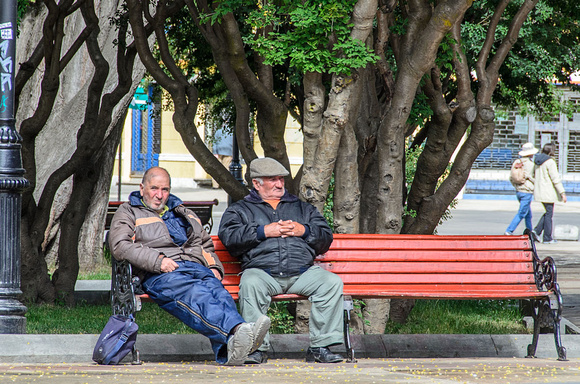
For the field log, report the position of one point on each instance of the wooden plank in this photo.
(362, 287)
(400, 255)
(425, 255)
(427, 267)
(460, 278)
(454, 292)
(435, 281)
(434, 244)
(422, 242)
(231, 280)
(458, 295)
(225, 257)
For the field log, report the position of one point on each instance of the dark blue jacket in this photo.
(242, 232)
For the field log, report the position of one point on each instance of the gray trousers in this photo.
(323, 288)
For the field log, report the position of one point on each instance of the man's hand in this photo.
(284, 229)
(168, 265)
(217, 274)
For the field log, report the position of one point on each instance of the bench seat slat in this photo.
(463, 295)
(420, 293)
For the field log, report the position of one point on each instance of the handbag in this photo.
(116, 340)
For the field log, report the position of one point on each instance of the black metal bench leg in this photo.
(536, 314)
(348, 307)
(557, 338)
(556, 308)
(136, 357)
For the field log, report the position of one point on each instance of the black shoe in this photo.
(257, 357)
(322, 355)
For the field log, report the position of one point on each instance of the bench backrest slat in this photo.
(335, 255)
(414, 267)
(444, 267)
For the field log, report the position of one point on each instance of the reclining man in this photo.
(276, 236)
(174, 258)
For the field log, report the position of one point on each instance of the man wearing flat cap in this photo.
(276, 236)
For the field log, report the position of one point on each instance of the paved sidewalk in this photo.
(410, 371)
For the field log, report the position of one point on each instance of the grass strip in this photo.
(428, 316)
(491, 317)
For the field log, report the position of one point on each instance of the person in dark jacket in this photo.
(276, 236)
(175, 259)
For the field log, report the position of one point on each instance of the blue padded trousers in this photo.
(194, 295)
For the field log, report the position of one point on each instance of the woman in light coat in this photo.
(548, 189)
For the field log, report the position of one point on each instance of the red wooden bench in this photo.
(418, 267)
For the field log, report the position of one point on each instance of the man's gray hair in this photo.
(259, 180)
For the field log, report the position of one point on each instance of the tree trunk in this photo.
(312, 121)
(346, 173)
(71, 43)
(346, 190)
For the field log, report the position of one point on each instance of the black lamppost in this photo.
(12, 181)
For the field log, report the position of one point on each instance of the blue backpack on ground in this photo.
(116, 340)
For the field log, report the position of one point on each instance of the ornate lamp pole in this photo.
(12, 181)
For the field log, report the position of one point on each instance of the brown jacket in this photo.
(141, 237)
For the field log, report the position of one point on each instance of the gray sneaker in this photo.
(259, 330)
(240, 344)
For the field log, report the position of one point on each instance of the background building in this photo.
(490, 171)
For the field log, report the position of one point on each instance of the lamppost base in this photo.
(12, 319)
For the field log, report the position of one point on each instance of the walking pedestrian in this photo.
(548, 189)
(525, 189)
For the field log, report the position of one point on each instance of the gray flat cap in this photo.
(267, 167)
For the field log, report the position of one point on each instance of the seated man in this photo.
(174, 258)
(277, 236)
